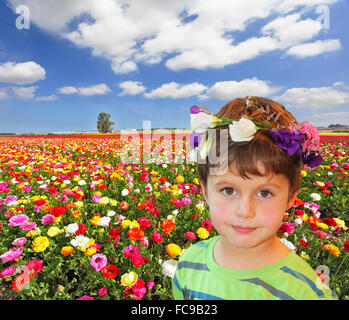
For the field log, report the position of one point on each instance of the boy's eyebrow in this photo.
(223, 182)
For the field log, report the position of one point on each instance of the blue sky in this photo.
(153, 60)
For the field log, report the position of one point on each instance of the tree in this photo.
(104, 125)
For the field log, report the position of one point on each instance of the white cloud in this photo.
(21, 73)
(131, 88)
(175, 90)
(68, 90)
(314, 98)
(325, 119)
(97, 89)
(130, 32)
(51, 97)
(291, 29)
(314, 48)
(228, 90)
(94, 90)
(24, 93)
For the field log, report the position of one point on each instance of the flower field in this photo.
(78, 221)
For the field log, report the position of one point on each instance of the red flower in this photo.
(303, 243)
(40, 202)
(137, 260)
(81, 230)
(110, 271)
(124, 205)
(330, 222)
(144, 223)
(58, 211)
(114, 232)
(156, 236)
(206, 224)
(346, 246)
(20, 281)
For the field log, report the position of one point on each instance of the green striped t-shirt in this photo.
(199, 277)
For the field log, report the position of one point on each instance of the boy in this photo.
(247, 198)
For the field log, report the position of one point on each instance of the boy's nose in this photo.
(246, 208)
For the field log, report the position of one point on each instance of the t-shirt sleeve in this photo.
(176, 289)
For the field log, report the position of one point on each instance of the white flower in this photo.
(81, 182)
(242, 130)
(80, 241)
(71, 228)
(201, 121)
(169, 268)
(111, 213)
(104, 221)
(66, 181)
(288, 244)
(124, 192)
(205, 145)
(175, 212)
(315, 197)
(330, 173)
(298, 221)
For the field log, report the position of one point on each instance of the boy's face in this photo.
(247, 212)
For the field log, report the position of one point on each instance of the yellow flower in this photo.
(196, 181)
(53, 231)
(322, 225)
(33, 232)
(174, 250)
(95, 220)
(303, 173)
(340, 223)
(134, 224)
(113, 202)
(333, 249)
(129, 279)
(202, 233)
(90, 251)
(125, 223)
(79, 204)
(304, 256)
(180, 179)
(57, 219)
(40, 244)
(103, 201)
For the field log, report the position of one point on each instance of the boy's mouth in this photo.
(243, 230)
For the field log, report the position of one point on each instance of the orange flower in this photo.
(167, 226)
(70, 206)
(298, 202)
(76, 214)
(135, 234)
(66, 251)
(48, 209)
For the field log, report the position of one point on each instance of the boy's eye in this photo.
(228, 191)
(265, 193)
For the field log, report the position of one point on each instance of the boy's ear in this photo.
(292, 199)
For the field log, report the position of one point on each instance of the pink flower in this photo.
(150, 284)
(8, 271)
(156, 236)
(312, 143)
(98, 261)
(96, 198)
(190, 235)
(207, 224)
(28, 226)
(287, 227)
(10, 199)
(27, 189)
(18, 220)
(102, 291)
(12, 254)
(144, 242)
(139, 289)
(19, 242)
(130, 250)
(47, 219)
(85, 298)
(137, 260)
(35, 266)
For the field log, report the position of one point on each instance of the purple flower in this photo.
(289, 141)
(194, 140)
(313, 160)
(195, 110)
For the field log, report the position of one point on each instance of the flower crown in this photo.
(302, 139)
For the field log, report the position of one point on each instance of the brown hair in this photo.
(245, 155)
